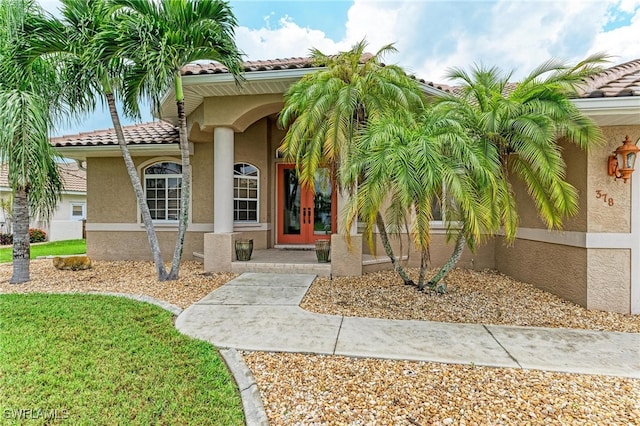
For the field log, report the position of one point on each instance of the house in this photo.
(242, 189)
(67, 221)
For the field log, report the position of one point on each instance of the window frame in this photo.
(166, 177)
(235, 188)
(84, 210)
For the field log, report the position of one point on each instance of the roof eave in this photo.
(615, 111)
(83, 152)
(257, 78)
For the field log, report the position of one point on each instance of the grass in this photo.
(91, 359)
(55, 248)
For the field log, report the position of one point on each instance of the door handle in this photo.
(306, 215)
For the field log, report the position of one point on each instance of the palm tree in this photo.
(84, 45)
(402, 165)
(522, 124)
(159, 38)
(30, 98)
(326, 110)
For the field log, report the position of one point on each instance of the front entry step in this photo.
(319, 269)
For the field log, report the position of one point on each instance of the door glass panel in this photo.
(322, 203)
(291, 200)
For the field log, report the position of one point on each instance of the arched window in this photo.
(245, 192)
(163, 185)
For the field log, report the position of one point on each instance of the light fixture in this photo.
(621, 162)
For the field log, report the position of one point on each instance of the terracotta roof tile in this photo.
(73, 178)
(157, 132)
(618, 81)
(249, 66)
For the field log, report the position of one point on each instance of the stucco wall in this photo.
(440, 251)
(110, 197)
(609, 280)
(202, 179)
(602, 216)
(576, 161)
(558, 269)
(135, 246)
(251, 147)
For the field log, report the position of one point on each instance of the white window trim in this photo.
(141, 168)
(257, 199)
(84, 211)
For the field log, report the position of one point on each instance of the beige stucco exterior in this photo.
(608, 278)
(557, 268)
(590, 261)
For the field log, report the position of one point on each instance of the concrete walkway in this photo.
(260, 312)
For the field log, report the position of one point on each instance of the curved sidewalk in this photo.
(260, 312)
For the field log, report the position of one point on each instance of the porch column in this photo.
(223, 180)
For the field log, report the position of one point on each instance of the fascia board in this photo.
(83, 152)
(598, 106)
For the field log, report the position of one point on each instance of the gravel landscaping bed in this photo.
(118, 277)
(303, 389)
(332, 390)
(486, 297)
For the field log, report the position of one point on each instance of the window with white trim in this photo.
(163, 186)
(245, 193)
(78, 211)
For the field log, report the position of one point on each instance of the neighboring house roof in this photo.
(617, 81)
(152, 133)
(74, 179)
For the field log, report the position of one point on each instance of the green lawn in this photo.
(56, 248)
(92, 359)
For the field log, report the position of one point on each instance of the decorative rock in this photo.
(74, 263)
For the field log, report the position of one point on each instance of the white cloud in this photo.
(623, 43)
(286, 40)
(514, 35)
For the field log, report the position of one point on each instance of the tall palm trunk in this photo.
(455, 256)
(137, 188)
(387, 248)
(21, 247)
(186, 180)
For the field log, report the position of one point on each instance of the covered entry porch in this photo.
(304, 261)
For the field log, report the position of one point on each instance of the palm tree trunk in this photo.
(21, 247)
(455, 256)
(387, 248)
(137, 188)
(424, 257)
(185, 192)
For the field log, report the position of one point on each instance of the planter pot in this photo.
(244, 248)
(323, 247)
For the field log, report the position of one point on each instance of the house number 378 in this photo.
(608, 200)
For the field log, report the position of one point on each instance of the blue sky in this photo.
(431, 36)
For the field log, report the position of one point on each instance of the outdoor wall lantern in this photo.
(623, 159)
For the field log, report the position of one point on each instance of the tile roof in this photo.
(617, 81)
(156, 132)
(278, 64)
(73, 177)
(249, 66)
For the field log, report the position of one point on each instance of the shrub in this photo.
(37, 235)
(6, 239)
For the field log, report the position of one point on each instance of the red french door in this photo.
(304, 216)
